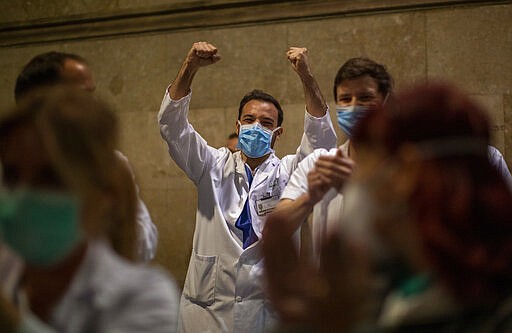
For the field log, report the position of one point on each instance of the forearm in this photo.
(180, 87)
(292, 213)
(315, 102)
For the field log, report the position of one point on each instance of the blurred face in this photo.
(381, 208)
(361, 91)
(78, 73)
(39, 220)
(25, 162)
(263, 112)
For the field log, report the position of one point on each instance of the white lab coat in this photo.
(110, 294)
(328, 211)
(497, 160)
(147, 233)
(223, 289)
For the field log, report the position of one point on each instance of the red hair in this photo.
(460, 203)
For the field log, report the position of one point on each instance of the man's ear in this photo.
(276, 135)
(237, 126)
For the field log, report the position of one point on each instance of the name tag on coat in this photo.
(266, 205)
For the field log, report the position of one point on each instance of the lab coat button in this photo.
(238, 299)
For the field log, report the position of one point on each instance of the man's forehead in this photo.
(362, 83)
(258, 107)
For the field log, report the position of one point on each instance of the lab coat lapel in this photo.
(264, 171)
(240, 184)
(262, 184)
(241, 180)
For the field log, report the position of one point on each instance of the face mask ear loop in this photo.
(277, 136)
(385, 99)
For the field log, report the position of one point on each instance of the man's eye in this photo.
(367, 98)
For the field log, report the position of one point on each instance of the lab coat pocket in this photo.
(202, 274)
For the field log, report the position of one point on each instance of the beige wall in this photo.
(470, 45)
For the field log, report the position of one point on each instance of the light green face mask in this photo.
(42, 227)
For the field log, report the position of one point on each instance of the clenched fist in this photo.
(202, 54)
(298, 57)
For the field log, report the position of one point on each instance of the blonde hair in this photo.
(80, 133)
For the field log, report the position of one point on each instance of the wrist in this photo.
(189, 69)
(308, 201)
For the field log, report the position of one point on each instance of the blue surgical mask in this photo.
(42, 227)
(348, 117)
(255, 140)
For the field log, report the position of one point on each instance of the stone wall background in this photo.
(469, 44)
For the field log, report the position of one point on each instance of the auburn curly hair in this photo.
(461, 205)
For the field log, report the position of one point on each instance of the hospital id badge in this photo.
(266, 205)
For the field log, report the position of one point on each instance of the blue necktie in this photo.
(244, 220)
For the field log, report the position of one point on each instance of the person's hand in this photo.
(202, 54)
(317, 186)
(330, 299)
(315, 102)
(334, 170)
(345, 272)
(288, 277)
(298, 57)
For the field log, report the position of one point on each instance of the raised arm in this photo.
(315, 103)
(186, 147)
(201, 54)
(318, 129)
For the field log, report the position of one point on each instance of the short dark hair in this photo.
(232, 136)
(42, 70)
(357, 67)
(260, 95)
